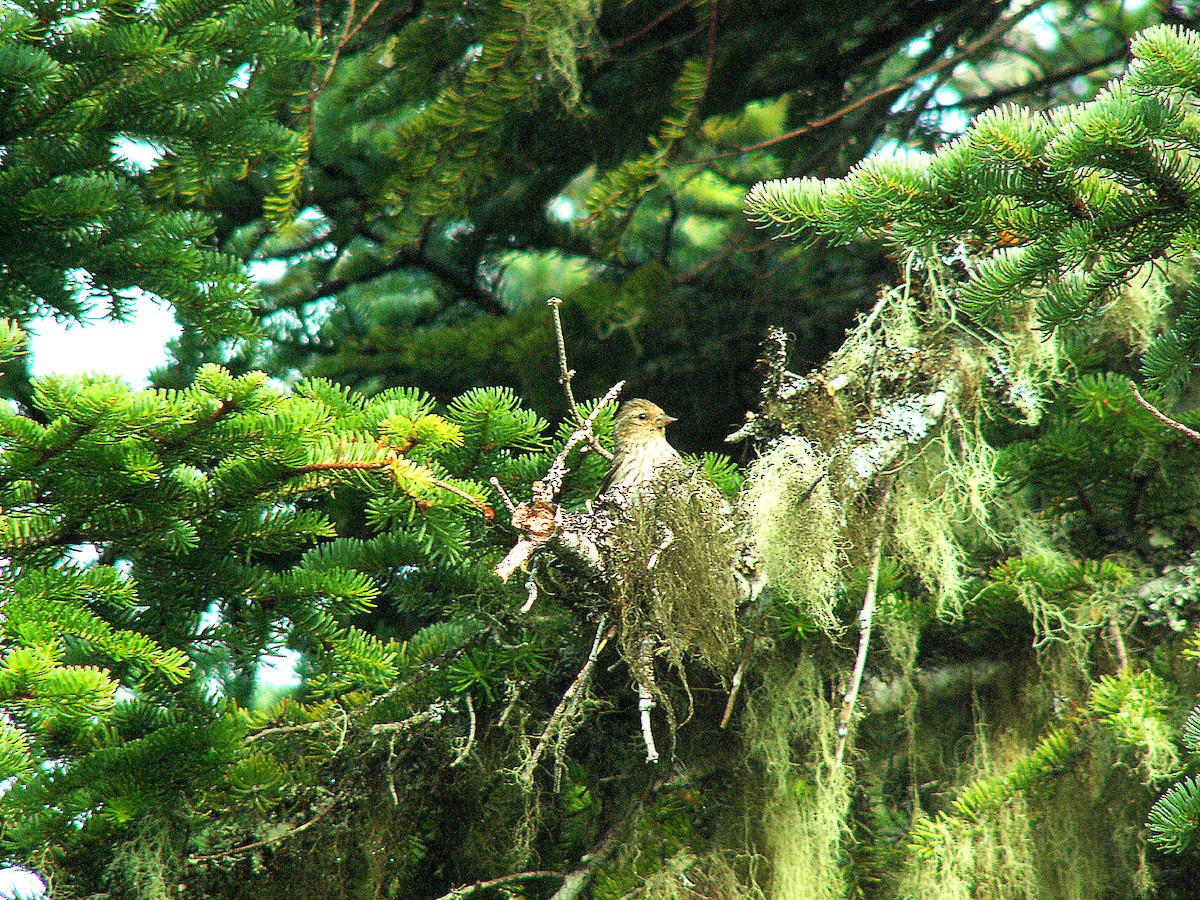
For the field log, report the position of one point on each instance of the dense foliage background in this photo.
(358, 212)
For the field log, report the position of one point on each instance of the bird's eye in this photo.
(642, 416)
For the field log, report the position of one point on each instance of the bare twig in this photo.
(648, 27)
(539, 519)
(736, 684)
(566, 374)
(391, 763)
(645, 705)
(552, 483)
(993, 34)
(1114, 632)
(570, 700)
(865, 617)
(646, 698)
(267, 842)
(531, 590)
(1162, 416)
(468, 889)
(466, 750)
(507, 500)
(667, 541)
(514, 694)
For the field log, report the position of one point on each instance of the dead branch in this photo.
(865, 617)
(570, 700)
(1162, 416)
(541, 519)
(466, 750)
(566, 374)
(468, 889)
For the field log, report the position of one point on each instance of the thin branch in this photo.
(565, 373)
(531, 590)
(508, 501)
(865, 617)
(738, 676)
(999, 95)
(645, 706)
(990, 36)
(649, 26)
(468, 889)
(1114, 632)
(1162, 416)
(569, 701)
(267, 842)
(466, 750)
(551, 485)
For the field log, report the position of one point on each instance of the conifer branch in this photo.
(369, 464)
(998, 30)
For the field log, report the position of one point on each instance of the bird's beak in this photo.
(667, 420)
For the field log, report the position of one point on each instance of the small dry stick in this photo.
(865, 617)
(1114, 631)
(508, 501)
(566, 374)
(391, 770)
(666, 542)
(466, 750)
(539, 519)
(646, 703)
(567, 705)
(736, 683)
(1162, 416)
(558, 470)
(531, 590)
(468, 889)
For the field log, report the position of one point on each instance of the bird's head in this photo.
(639, 421)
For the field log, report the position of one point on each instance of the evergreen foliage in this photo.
(85, 85)
(466, 164)
(449, 734)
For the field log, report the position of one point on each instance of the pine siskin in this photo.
(640, 447)
(672, 549)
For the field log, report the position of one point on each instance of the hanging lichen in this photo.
(795, 525)
(790, 730)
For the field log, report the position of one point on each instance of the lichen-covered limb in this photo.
(877, 443)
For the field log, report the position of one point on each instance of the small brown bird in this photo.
(640, 446)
